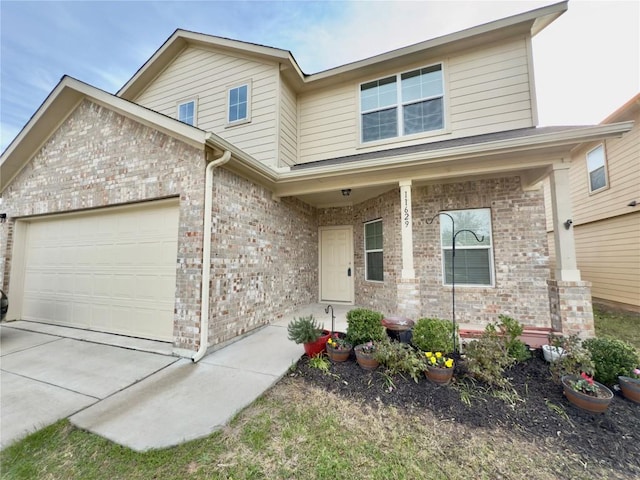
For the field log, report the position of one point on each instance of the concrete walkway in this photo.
(132, 391)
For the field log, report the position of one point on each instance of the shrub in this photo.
(363, 326)
(611, 357)
(511, 329)
(433, 335)
(487, 358)
(575, 359)
(399, 358)
(304, 329)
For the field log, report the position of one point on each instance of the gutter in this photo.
(206, 255)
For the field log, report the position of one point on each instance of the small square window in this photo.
(239, 104)
(187, 112)
(596, 166)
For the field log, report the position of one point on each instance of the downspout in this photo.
(206, 254)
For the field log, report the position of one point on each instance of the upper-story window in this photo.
(187, 112)
(596, 165)
(239, 104)
(403, 104)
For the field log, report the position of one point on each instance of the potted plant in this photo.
(630, 385)
(307, 331)
(433, 334)
(338, 348)
(553, 351)
(585, 393)
(366, 355)
(364, 326)
(439, 368)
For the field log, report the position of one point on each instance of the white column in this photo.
(406, 226)
(566, 266)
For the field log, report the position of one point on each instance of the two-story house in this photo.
(605, 194)
(222, 187)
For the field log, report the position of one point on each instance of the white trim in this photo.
(247, 119)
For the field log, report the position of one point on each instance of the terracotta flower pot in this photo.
(366, 360)
(438, 375)
(316, 348)
(338, 355)
(630, 388)
(589, 403)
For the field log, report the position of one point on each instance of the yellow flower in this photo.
(449, 363)
(429, 354)
(433, 360)
(438, 354)
(329, 341)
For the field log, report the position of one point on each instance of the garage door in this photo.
(110, 270)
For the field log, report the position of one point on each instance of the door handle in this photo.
(349, 272)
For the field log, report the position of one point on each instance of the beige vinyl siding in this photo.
(623, 172)
(207, 75)
(288, 126)
(486, 90)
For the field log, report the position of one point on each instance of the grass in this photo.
(617, 324)
(296, 430)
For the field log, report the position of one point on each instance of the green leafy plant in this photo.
(585, 385)
(511, 329)
(487, 358)
(304, 329)
(575, 360)
(433, 334)
(363, 326)
(611, 357)
(320, 362)
(400, 358)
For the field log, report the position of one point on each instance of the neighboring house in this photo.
(605, 193)
(293, 189)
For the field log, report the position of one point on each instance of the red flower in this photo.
(587, 378)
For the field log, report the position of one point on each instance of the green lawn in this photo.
(622, 325)
(298, 431)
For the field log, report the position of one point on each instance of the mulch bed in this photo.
(612, 438)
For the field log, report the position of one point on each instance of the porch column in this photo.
(406, 229)
(566, 266)
(408, 286)
(569, 297)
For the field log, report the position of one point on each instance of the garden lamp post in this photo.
(454, 235)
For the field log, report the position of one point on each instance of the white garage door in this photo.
(111, 270)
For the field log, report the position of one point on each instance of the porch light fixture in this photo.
(632, 203)
(567, 223)
(3, 217)
(346, 192)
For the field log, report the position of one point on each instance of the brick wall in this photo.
(264, 256)
(519, 247)
(100, 158)
(571, 308)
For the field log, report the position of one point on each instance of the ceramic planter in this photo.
(438, 375)
(318, 347)
(366, 360)
(586, 402)
(551, 354)
(630, 388)
(338, 355)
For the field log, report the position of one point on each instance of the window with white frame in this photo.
(187, 112)
(596, 165)
(473, 259)
(238, 104)
(403, 104)
(374, 268)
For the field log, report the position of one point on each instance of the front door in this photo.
(336, 264)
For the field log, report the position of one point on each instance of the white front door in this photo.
(336, 264)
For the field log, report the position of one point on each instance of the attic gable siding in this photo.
(207, 75)
(486, 90)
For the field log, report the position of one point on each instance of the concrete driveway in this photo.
(132, 391)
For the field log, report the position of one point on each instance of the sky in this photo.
(586, 63)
